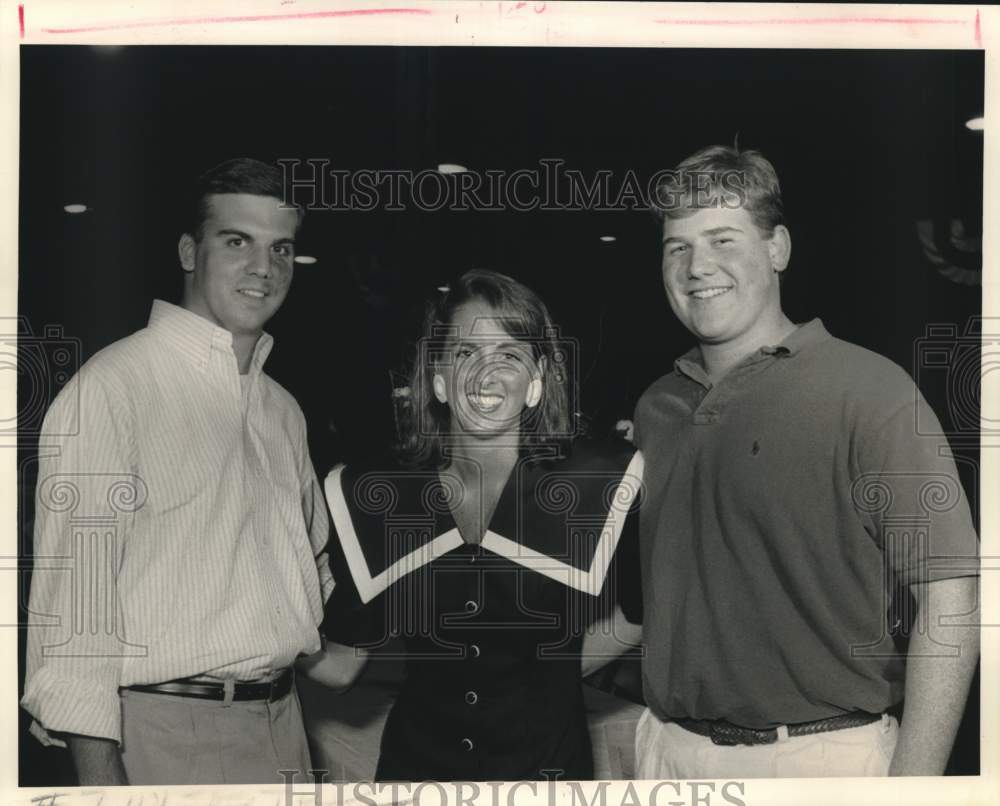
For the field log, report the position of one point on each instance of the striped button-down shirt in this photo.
(179, 527)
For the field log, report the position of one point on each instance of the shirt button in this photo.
(471, 606)
(471, 697)
(467, 744)
(474, 650)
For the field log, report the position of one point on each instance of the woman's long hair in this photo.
(426, 425)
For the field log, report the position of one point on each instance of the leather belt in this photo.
(726, 733)
(209, 690)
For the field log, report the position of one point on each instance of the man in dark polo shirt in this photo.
(787, 492)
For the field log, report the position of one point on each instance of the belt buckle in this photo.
(272, 686)
(732, 735)
(764, 736)
(718, 735)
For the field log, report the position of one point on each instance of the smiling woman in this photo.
(487, 576)
(488, 366)
(487, 377)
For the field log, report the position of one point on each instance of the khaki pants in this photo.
(183, 740)
(665, 750)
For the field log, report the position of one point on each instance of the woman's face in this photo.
(488, 377)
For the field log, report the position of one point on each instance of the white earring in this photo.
(440, 390)
(534, 395)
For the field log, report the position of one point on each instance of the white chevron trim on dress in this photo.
(588, 581)
(592, 580)
(368, 586)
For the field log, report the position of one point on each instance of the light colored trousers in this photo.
(183, 740)
(665, 750)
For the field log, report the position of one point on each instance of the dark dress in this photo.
(493, 633)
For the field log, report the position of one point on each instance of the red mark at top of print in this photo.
(820, 21)
(978, 34)
(513, 8)
(306, 15)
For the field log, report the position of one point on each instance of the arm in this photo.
(349, 624)
(606, 640)
(919, 479)
(74, 648)
(98, 761)
(618, 627)
(314, 514)
(318, 527)
(335, 665)
(937, 683)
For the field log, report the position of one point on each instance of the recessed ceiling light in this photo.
(608, 238)
(975, 124)
(444, 289)
(72, 209)
(307, 259)
(451, 168)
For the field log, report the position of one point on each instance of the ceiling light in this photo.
(306, 259)
(444, 289)
(73, 209)
(975, 124)
(451, 168)
(608, 238)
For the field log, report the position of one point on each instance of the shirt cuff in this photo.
(47, 739)
(67, 705)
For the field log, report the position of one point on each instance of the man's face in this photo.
(721, 274)
(240, 271)
(490, 375)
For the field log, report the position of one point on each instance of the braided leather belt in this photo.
(208, 690)
(726, 733)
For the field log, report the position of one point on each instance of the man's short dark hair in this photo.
(242, 175)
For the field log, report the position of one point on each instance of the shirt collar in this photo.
(196, 337)
(806, 335)
(803, 336)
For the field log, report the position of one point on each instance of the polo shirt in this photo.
(783, 503)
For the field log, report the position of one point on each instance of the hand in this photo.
(607, 640)
(626, 430)
(47, 739)
(98, 761)
(335, 666)
(939, 667)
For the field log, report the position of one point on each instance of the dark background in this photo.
(865, 143)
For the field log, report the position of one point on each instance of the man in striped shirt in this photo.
(180, 532)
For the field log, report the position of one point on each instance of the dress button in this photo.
(472, 606)
(471, 697)
(474, 650)
(467, 744)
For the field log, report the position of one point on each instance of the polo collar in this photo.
(803, 336)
